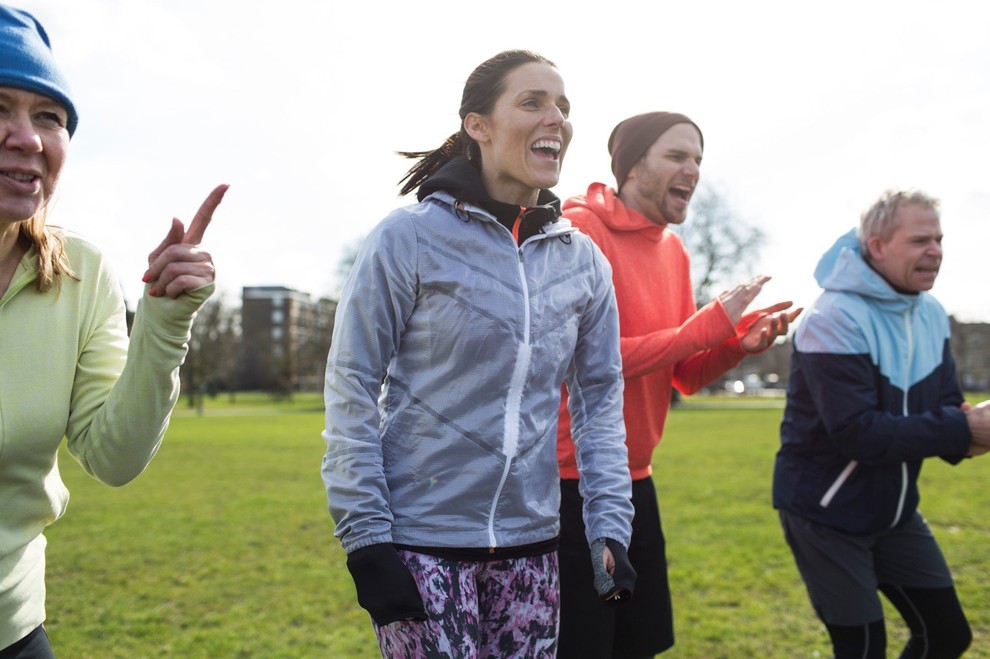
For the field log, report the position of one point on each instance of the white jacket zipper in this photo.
(905, 385)
(510, 431)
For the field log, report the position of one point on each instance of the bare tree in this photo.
(722, 245)
(313, 335)
(347, 259)
(212, 358)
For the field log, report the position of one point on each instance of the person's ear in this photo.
(476, 127)
(633, 173)
(875, 244)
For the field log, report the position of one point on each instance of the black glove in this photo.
(617, 587)
(385, 587)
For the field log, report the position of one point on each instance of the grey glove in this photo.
(617, 587)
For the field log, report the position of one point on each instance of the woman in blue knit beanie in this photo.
(67, 367)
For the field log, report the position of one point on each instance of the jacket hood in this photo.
(461, 180)
(843, 269)
(604, 202)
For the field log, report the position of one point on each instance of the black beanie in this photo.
(634, 136)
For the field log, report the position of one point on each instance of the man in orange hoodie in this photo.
(666, 342)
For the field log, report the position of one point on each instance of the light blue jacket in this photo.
(443, 383)
(872, 393)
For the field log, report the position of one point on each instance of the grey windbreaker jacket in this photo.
(443, 383)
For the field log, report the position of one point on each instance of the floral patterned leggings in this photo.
(499, 608)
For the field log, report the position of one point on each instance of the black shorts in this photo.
(33, 646)
(843, 572)
(641, 627)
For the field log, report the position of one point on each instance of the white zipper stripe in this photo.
(906, 384)
(491, 513)
(510, 429)
(903, 497)
(905, 387)
(843, 477)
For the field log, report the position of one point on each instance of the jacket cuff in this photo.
(173, 317)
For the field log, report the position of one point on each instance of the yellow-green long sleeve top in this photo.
(67, 369)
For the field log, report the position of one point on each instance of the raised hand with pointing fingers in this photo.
(178, 264)
(736, 300)
(773, 323)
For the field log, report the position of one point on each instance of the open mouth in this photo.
(20, 177)
(549, 149)
(20, 181)
(682, 193)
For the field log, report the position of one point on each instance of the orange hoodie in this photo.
(666, 342)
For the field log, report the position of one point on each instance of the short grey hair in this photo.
(879, 220)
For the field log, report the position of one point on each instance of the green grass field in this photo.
(224, 548)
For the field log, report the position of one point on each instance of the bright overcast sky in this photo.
(810, 111)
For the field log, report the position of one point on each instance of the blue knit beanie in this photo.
(26, 60)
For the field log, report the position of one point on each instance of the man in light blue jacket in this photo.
(872, 393)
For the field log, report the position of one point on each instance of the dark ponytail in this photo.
(481, 91)
(458, 145)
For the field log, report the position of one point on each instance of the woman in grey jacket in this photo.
(462, 316)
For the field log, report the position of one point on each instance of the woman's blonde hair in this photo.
(52, 262)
